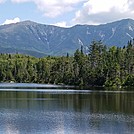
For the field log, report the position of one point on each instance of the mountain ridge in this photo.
(30, 37)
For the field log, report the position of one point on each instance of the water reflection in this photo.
(40, 112)
(94, 102)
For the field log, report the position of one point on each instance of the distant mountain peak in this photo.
(28, 22)
(127, 21)
(36, 39)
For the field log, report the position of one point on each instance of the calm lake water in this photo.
(41, 109)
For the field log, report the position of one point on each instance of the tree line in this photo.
(101, 66)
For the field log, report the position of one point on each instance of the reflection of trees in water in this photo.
(112, 102)
(94, 102)
(103, 112)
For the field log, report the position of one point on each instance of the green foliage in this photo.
(102, 66)
(129, 80)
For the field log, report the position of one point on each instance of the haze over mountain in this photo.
(35, 39)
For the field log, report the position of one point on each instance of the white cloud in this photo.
(53, 8)
(10, 21)
(61, 24)
(21, 1)
(87, 11)
(102, 11)
(1, 1)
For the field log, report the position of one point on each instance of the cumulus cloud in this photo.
(10, 21)
(21, 1)
(61, 24)
(85, 11)
(54, 8)
(102, 11)
(1, 1)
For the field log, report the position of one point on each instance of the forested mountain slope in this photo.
(39, 40)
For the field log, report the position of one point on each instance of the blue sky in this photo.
(65, 13)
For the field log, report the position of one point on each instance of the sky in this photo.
(65, 13)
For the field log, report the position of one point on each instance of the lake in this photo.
(49, 109)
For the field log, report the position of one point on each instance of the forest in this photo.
(100, 66)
